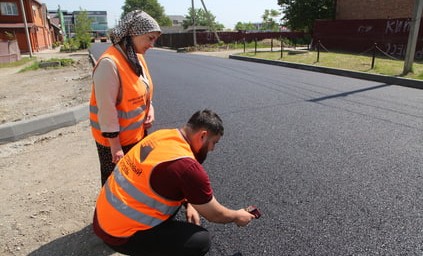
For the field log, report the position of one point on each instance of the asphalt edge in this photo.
(390, 80)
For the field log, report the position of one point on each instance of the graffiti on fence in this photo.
(397, 26)
(392, 27)
(364, 29)
(400, 50)
(396, 49)
(391, 35)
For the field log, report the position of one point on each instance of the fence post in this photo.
(374, 55)
(318, 51)
(281, 48)
(255, 46)
(244, 44)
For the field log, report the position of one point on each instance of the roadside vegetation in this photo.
(50, 63)
(21, 62)
(298, 52)
(361, 63)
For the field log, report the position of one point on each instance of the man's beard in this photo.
(201, 155)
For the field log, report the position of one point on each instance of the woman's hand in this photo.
(148, 123)
(116, 149)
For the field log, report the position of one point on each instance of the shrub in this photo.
(70, 45)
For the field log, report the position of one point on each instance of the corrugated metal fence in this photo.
(179, 40)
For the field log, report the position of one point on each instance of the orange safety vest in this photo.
(127, 203)
(133, 106)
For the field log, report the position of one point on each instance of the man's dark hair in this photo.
(206, 119)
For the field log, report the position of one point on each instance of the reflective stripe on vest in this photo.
(140, 197)
(123, 115)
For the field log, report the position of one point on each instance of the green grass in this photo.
(28, 63)
(382, 65)
(36, 65)
(21, 62)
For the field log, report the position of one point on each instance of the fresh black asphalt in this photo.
(334, 163)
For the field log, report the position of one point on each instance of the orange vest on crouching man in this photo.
(127, 203)
(133, 105)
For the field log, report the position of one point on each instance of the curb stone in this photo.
(14, 131)
(389, 80)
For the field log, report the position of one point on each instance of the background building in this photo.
(177, 27)
(12, 25)
(99, 26)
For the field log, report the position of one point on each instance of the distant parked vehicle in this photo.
(99, 37)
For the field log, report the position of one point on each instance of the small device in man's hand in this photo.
(254, 211)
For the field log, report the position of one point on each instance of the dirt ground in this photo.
(49, 183)
(24, 95)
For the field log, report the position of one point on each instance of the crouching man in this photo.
(135, 209)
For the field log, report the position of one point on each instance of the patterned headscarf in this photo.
(133, 24)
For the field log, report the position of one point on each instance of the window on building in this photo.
(8, 9)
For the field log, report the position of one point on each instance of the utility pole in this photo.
(412, 37)
(210, 23)
(62, 23)
(28, 41)
(194, 33)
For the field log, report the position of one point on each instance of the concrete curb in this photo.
(14, 131)
(340, 72)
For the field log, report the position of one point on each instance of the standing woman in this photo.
(121, 107)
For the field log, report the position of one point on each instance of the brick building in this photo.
(373, 9)
(12, 26)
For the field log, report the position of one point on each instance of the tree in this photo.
(201, 19)
(269, 22)
(300, 15)
(245, 26)
(83, 29)
(152, 7)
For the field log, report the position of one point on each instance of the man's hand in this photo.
(243, 217)
(213, 211)
(192, 215)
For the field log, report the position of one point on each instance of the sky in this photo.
(227, 12)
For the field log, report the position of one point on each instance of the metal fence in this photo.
(180, 40)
